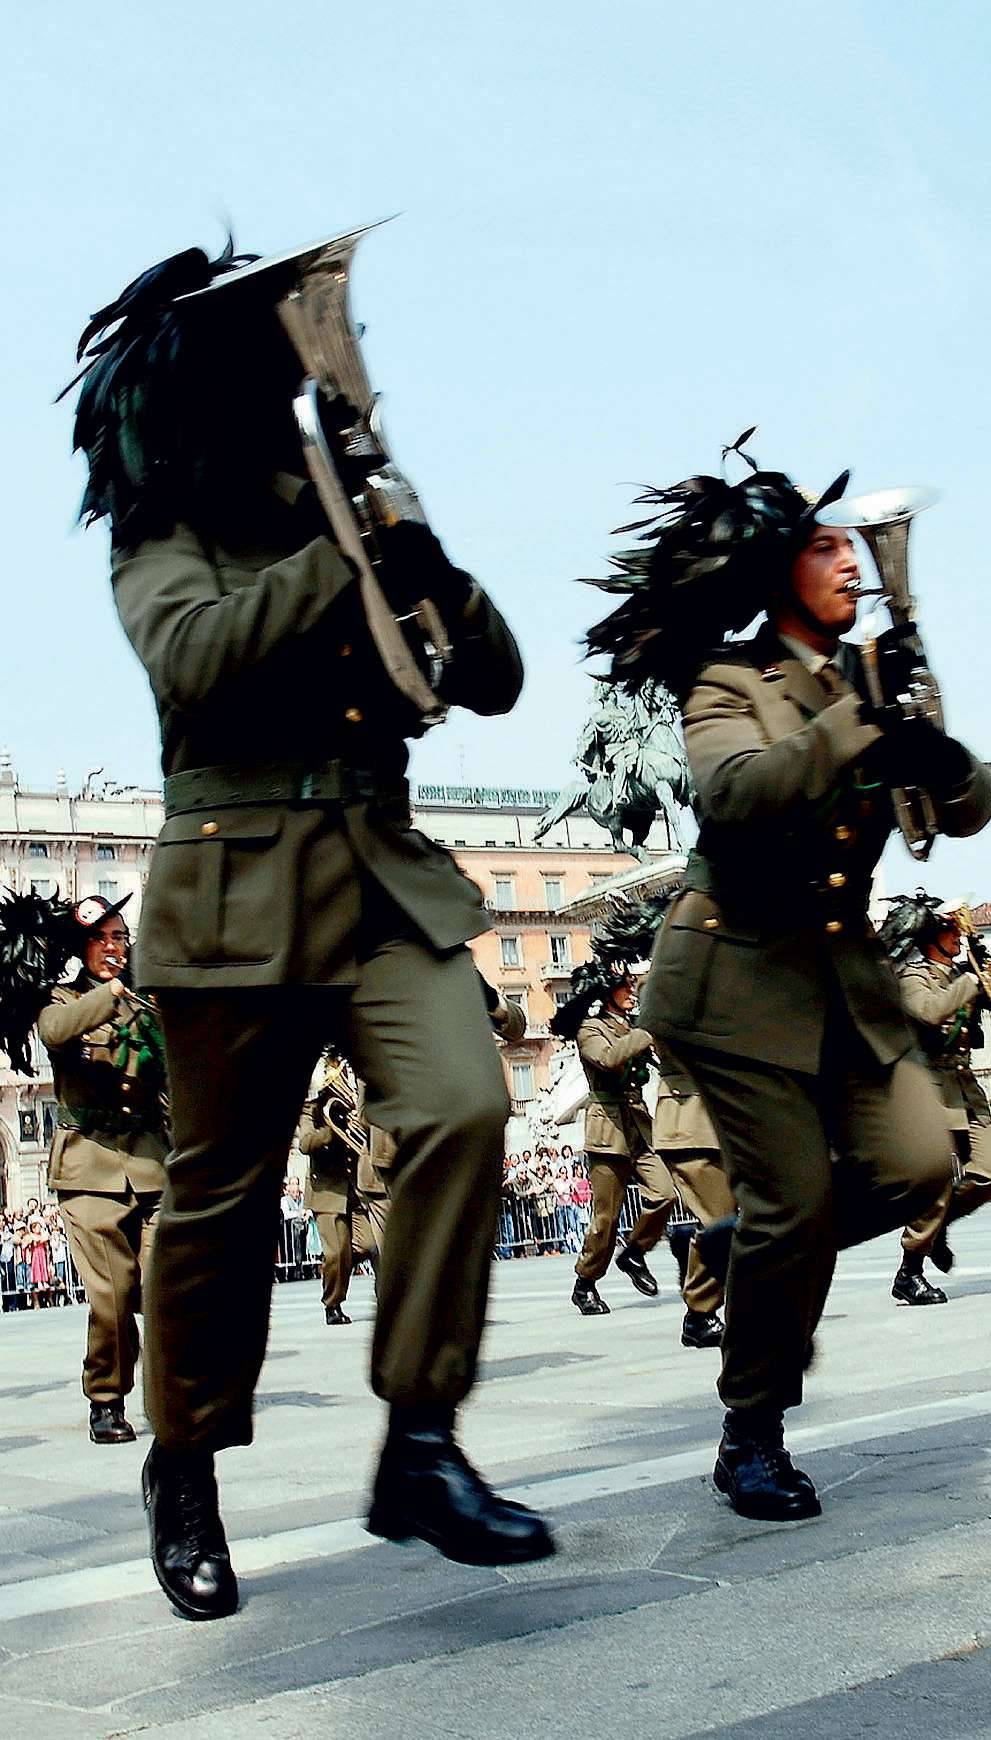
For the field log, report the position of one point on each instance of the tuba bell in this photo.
(884, 519)
(359, 486)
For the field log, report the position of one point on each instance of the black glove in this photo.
(412, 565)
(490, 994)
(897, 652)
(916, 752)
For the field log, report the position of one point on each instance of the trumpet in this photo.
(338, 1100)
(884, 519)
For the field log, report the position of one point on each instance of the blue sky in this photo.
(628, 230)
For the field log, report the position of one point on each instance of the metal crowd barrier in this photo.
(17, 1293)
(525, 1233)
(522, 1233)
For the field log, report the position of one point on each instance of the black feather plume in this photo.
(910, 923)
(714, 556)
(127, 418)
(37, 939)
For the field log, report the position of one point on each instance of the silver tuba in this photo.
(884, 519)
(359, 486)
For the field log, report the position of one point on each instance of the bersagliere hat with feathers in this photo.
(912, 922)
(709, 558)
(619, 942)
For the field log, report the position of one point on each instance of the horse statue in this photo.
(633, 770)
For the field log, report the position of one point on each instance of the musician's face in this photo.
(947, 943)
(624, 996)
(106, 949)
(822, 578)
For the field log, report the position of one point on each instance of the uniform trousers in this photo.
(609, 1175)
(955, 1200)
(815, 1163)
(110, 1238)
(240, 1060)
(346, 1238)
(705, 1192)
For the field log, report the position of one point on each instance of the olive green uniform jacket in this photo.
(78, 1028)
(616, 1120)
(940, 1002)
(771, 930)
(251, 653)
(681, 1121)
(330, 1167)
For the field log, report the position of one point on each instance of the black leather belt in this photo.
(278, 782)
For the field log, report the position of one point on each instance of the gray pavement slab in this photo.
(662, 1611)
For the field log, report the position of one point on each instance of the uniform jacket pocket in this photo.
(216, 891)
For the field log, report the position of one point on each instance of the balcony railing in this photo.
(557, 969)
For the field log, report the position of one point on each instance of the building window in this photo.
(49, 1116)
(522, 1081)
(510, 946)
(560, 998)
(553, 892)
(599, 876)
(491, 842)
(42, 886)
(105, 854)
(505, 893)
(108, 890)
(560, 951)
(37, 849)
(461, 842)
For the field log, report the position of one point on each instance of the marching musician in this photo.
(290, 897)
(333, 1192)
(108, 1150)
(944, 1001)
(767, 982)
(613, 1053)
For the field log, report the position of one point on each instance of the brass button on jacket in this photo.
(837, 879)
(210, 828)
(354, 715)
(842, 833)
(834, 926)
(710, 924)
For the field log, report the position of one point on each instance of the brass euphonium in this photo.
(884, 519)
(338, 1099)
(359, 486)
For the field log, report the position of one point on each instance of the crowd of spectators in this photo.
(35, 1267)
(545, 1209)
(546, 1202)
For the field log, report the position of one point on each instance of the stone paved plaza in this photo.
(662, 1615)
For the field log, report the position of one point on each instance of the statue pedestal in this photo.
(627, 887)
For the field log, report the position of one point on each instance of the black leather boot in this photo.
(107, 1424)
(427, 1489)
(586, 1297)
(910, 1287)
(188, 1544)
(334, 1314)
(633, 1263)
(941, 1254)
(756, 1473)
(702, 1329)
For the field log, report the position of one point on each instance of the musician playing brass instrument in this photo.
(768, 983)
(944, 999)
(289, 898)
(335, 1140)
(110, 1142)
